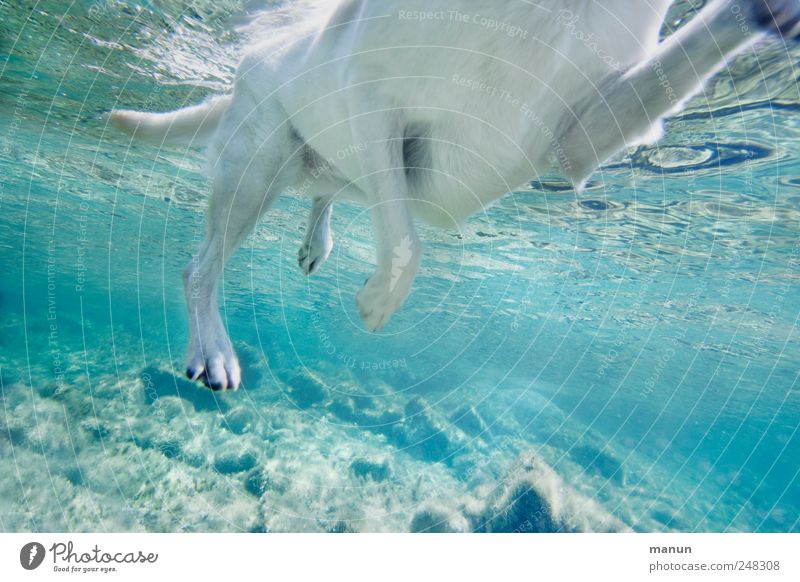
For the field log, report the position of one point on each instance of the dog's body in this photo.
(432, 114)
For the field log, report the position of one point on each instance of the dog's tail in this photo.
(191, 125)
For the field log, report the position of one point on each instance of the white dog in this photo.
(431, 111)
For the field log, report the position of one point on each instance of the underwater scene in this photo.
(621, 359)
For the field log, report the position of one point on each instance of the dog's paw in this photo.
(379, 299)
(215, 363)
(779, 16)
(314, 253)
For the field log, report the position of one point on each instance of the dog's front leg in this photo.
(398, 247)
(398, 259)
(249, 169)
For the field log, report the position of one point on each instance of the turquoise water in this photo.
(626, 358)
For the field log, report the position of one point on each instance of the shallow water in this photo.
(638, 342)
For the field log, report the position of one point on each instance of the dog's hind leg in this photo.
(627, 109)
(252, 163)
(398, 247)
(318, 240)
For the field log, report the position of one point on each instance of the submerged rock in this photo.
(159, 384)
(98, 430)
(73, 474)
(467, 419)
(669, 520)
(600, 463)
(339, 527)
(365, 469)
(535, 499)
(258, 481)
(240, 420)
(416, 429)
(231, 462)
(170, 448)
(423, 436)
(362, 411)
(434, 520)
(305, 390)
(12, 430)
(354, 408)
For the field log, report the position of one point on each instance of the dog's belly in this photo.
(453, 174)
(455, 166)
(485, 109)
(448, 203)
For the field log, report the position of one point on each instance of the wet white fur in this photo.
(336, 106)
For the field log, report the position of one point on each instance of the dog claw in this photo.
(219, 371)
(309, 267)
(314, 253)
(194, 373)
